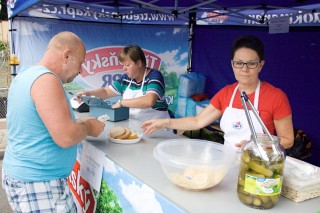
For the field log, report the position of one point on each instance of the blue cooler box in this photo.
(185, 107)
(98, 107)
(190, 84)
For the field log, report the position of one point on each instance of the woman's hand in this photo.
(239, 145)
(117, 105)
(81, 93)
(152, 125)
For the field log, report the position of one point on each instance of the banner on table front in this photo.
(86, 175)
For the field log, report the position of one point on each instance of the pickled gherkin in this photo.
(260, 180)
(246, 156)
(260, 169)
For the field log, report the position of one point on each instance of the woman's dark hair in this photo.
(134, 52)
(251, 42)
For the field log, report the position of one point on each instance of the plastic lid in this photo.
(192, 152)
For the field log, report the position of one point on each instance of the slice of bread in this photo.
(117, 131)
(125, 134)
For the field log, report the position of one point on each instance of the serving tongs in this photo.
(245, 99)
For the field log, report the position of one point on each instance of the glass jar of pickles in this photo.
(261, 174)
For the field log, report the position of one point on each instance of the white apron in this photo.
(142, 114)
(234, 122)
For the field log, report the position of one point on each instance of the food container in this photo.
(99, 107)
(260, 180)
(193, 164)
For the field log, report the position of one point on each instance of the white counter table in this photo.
(137, 159)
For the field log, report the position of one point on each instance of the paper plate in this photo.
(125, 141)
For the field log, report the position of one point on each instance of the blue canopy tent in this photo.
(291, 58)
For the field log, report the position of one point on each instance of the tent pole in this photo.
(11, 30)
(192, 19)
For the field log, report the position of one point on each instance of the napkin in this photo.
(300, 175)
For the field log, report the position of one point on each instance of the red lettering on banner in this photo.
(81, 190)
(214, 17)
(106, 59)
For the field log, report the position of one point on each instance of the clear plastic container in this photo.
(193, 164)
(260, 180)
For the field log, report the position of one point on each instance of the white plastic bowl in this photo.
(193, 164)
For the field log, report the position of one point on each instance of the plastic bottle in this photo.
(260, 180)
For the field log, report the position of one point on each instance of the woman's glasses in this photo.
(249, 64)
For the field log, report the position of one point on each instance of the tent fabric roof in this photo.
(175, 6)
(203, 3)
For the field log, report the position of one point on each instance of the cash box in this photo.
(98, 107)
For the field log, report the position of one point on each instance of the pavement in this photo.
(4, 205)
(3, 136)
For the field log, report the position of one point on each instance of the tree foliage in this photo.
(3, 45)
(108, 200)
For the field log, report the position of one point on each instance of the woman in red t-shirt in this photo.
(272, 104)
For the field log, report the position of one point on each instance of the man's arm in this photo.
(51, 104)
